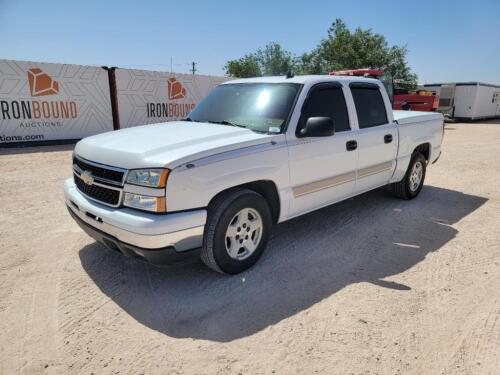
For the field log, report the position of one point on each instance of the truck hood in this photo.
(165, 144)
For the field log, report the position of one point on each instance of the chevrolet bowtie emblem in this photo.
(87, 177)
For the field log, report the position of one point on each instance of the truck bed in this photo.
(407, 117)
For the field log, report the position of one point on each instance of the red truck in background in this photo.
(420, 100)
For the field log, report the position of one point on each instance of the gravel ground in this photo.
(373, 285)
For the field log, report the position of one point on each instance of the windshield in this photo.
(261, 107)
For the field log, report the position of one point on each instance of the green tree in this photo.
(343, 49)
(310, 63)
(271, 60)
(245, 67)
(274, 60)
(399, 70)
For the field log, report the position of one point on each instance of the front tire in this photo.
(236, 231)
(409, 187)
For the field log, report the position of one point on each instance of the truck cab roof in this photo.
(306, 79)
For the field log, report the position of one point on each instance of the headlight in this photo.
(144, 202)
(148, 177)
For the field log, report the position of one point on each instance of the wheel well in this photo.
(265, 188)
(425, 149)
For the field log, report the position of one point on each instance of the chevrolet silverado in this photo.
(253, 153)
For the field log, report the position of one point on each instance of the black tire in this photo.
(402, 188)
(220, 212)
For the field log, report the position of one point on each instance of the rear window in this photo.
(370, 105)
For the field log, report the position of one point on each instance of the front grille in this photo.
(100, 193)
(100, 172)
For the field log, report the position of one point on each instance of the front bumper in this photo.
(157, 238)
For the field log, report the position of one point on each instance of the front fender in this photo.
(195, 184)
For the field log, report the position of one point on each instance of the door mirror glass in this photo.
(318, 127)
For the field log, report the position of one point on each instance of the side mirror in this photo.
(318, 127)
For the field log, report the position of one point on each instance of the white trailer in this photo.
(467, 100)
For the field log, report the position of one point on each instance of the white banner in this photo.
(41, 102)
(146, 97)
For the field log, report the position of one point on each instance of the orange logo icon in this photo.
(41, 84)
(175, 89)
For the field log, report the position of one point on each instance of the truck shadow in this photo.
(364, 239)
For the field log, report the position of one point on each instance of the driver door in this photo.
(322, 169)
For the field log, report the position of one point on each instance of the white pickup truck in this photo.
(253, 153)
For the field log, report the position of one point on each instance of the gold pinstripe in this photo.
(340, 179)
(323, 184)
(377, 168)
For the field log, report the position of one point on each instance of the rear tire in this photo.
(236, 232)
(409, 187)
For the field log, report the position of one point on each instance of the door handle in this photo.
(388, 138)
(351, 145)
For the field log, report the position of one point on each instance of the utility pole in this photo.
(193, 69)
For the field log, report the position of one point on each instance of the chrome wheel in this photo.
(244, 233)
(416, 176)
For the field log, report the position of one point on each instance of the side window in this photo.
(370, 105)
(326, 101)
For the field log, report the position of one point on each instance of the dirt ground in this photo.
(373, 285)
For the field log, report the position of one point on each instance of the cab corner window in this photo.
(326, 102)
(370, 106)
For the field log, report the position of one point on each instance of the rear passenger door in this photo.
(377, 137)
(322, 169)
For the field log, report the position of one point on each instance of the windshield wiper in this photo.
(187, 119)
(224, 122)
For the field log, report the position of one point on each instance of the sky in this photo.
(448, 41)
